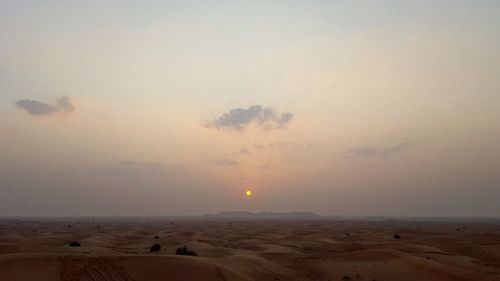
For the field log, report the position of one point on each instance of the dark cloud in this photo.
(63, 105)
(36, 108)
(265, 117)
(371, 152)
(225, 162)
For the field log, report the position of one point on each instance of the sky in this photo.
(124, 108)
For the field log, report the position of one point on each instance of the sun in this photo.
(248, 193)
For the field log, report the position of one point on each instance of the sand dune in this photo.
(118, 249)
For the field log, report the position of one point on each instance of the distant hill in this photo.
(266, 215)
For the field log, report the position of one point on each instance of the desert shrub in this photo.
(155, 248)
(74, 244)
(396, 236)
(184, 251)
(156, 237)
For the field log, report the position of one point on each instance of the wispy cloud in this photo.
(265, 117)
(62, 106)
(274, 145)
(225, 162)
(130, 170)
(371, 152)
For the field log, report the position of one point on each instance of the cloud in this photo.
(371, 152)
(265, 117)
(225, 162)
(62, 106)
(148, 165)
(36, 108)
(274, 145)
(130, 170)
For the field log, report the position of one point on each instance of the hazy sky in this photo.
(178, 107)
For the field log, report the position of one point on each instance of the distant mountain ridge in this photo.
(266, 215)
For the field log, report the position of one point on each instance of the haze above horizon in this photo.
(148, 108)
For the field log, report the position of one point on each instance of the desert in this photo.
(249, 248)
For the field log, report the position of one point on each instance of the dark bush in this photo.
(155, 248)
(184, 251)
(74, 244)
(156, 237)
(396, 236)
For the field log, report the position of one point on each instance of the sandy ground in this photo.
(118, 249)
